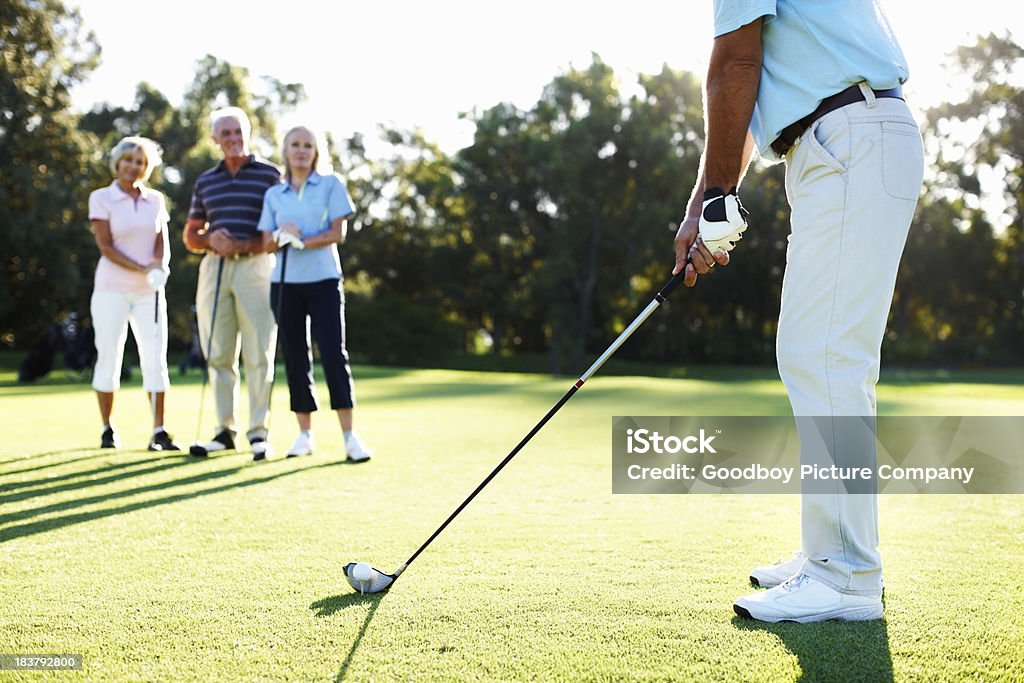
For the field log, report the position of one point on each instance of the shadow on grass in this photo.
(63, 451)
(35, 527)
(337, 603)
(833, 650)
(94, 477)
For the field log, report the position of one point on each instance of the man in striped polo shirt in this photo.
(226, 205)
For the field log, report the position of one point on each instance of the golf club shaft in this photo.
(209, 342)
(156, 334)
(277, 319)
(659, 298)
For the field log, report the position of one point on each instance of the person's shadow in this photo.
(336, 603)
(833, 650)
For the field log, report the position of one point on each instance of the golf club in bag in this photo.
(366, 579)
(196, 449)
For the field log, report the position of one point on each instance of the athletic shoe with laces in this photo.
(162, 441)
(261, 448)
(110, 439)
(304, 445)
(771, 575)
(224, 441)
(356, 449)
(804, 600)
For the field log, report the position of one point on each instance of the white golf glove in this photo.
(156, 277)
(722, 219)
(284, 238)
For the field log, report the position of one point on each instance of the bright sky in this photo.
(421, 63)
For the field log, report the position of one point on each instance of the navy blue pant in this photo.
(314, 309)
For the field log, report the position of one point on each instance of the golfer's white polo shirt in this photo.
(134, 226)
(810, 54)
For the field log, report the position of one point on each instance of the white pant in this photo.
(852, 181)
(111, 314)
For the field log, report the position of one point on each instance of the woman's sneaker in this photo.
(109, 439)
(303, 445)
(356, 449)
(162, 441)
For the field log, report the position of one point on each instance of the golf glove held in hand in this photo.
(288, 239)
(156, 277)
(722, 220)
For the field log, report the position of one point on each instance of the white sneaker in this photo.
(803, 600)
(356, 449)
(771, 575)
(261, 448)
(303, 445)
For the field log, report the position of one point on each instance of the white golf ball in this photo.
(362, 572)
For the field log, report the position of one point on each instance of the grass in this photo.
(155, 567)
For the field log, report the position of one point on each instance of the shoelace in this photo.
(794, 582)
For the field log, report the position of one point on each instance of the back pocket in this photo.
(902, 159)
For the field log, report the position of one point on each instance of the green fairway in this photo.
(158, 567)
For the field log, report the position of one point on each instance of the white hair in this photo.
(129, 146)
(231, 113)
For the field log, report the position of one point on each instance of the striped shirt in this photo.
(233, 202)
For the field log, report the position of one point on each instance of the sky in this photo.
(422, 63)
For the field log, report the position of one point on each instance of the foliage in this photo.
(44, 267)
(545, 235)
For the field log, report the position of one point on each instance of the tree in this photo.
(44, 161)
(981, 135)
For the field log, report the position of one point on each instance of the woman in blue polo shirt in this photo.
(307, 215)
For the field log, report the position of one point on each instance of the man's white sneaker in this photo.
(224, 441)
(356, 449)
(771, 575)
(261, 448)
(804, 600)
(304, 445)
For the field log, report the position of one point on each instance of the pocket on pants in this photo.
(824, 138)
(902, 159)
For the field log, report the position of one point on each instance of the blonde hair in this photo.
(231, 113)
(321, 159)
(132, 144)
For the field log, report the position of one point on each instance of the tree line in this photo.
(544, 236)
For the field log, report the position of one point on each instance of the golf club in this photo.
(206, 351)
(367, 579)
(156, 335)
(157, 279)
(277, 319)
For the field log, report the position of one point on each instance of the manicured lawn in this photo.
(158, 567)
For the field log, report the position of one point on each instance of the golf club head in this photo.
(377, 583)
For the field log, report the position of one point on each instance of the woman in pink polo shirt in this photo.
(130, 223)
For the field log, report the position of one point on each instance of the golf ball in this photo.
(362, 572)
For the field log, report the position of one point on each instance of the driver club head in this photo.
(366, 579)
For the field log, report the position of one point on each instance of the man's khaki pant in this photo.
(852, 180)
(244, 323)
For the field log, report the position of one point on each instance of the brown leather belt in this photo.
(852, 94)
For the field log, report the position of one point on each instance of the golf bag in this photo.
(75, 340)
(195, 358)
